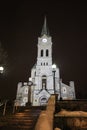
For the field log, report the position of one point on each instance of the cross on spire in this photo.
(45, 28)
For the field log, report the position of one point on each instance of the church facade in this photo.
(45, 77)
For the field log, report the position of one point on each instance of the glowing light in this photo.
(30, 79)
(1, 69)
(44, 40)
(54, 66)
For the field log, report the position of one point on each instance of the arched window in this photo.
(26, 91)
(44, 81)
(41, 53)
(47, 52)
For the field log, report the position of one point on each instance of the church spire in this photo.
(45, 28)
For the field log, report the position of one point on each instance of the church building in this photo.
(45, 77)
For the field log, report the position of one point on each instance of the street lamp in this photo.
(60, 81)
(30, 83)
(1, 69)
(54, 70)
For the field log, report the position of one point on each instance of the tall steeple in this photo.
(45, 28)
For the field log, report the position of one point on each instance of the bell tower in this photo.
(44, 57)
(42, 76)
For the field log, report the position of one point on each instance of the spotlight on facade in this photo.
(1, 69)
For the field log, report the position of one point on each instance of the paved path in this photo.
(25, 120)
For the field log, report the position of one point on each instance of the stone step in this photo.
(24, 120)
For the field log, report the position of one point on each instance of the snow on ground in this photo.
(79, 120)
(64, 112)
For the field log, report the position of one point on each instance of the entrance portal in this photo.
(43, 100)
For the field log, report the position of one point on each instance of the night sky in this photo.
(20, 26)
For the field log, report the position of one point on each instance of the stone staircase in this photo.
(22, 120)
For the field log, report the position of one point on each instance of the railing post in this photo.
(4, 110)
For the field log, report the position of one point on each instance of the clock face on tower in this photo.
(44, 40)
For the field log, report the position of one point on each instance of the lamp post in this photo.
(1, 72)
(54, 70)
(30, 83)
(60, 81)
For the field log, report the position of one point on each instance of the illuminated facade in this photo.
(44, 80)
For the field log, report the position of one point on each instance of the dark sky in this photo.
(20, 26)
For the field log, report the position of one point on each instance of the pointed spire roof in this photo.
(45, 28)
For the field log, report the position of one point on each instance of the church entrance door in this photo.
(43, 100)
